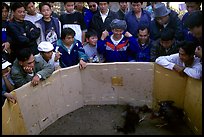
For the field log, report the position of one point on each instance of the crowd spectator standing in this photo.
(165, 18)
(75, 20)
(28, 67)
(117, 46)
(53, 14)
(31, 15)
(183, 62)
(6, 40)
(194, 23)
(93, 6)
(71, 49)
(137, 16)
(166, 45)
(144, 44)
(7, 82)
(46, 51)
(102, 19)
(50, 27)
(191, 7)
(122, 10)
(90, 47)
(87, 14)
(23, 33)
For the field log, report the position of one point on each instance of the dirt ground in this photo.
(102, 120)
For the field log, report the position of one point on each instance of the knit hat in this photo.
(5, 64)
(118, 24)
(160, 10)
(45, 46)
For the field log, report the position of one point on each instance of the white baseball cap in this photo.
(5, 64)
(45, 46)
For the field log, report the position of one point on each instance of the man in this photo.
(22, 32)
(165, 18)
(122, 10)
(183, 62)
(28, 68)
(93, 6)
(102, 19)
(194, 23)
(144, 44)
(32, 14)
(137, 16)
(46, 51)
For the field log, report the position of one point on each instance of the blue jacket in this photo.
(76, 53)
(133, 23)
(121, 53)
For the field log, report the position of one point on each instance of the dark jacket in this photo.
(99, 26)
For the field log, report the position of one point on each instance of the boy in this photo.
(71, 50)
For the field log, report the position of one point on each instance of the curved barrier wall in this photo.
(104, 83)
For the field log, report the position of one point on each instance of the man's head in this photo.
(45, 9)
(143, 34)
(91, 37)
(167, 38)
(137, 6)
(161, 13)
(103, 6)
(192, 6)
(79, 6)
(26, 58)
(123, 6)
(46, 50)
(18, 11)
(30, 8)
(93, 6)
(67, 35)
(186, 51)
(194, 23)
(5, 11)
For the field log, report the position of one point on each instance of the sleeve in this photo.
(167, 61)
(195, 71)
(101, 48)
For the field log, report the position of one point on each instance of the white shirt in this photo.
(103, 16)
(33, 18)
(195, 71)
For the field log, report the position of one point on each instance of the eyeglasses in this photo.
(90, 6)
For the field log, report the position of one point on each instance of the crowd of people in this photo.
(34, 44)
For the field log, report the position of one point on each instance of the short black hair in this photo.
(16, 5)
(4, 5)
(167, 34)
(188, 47)
(44, 3)
(67, 31)
(142, 27)
(193, 20)
(26, 3)
(24, 54)
(91, 33)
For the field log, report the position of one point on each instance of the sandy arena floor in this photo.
(101, 120)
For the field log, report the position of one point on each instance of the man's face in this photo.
(79, 6)
(46, 11)
(117, 33)
(5, 13)
(183, 56)
(19, 14)
(162, 20)
(31, 8)
(47, 55)
(192, 6)
(93, 6)
(137, 7)
(143, 36)
(28, 63)
(103, 6)
(197, 31)
(123, 5)
(166, 43)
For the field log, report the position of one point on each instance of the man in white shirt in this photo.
(184, 62)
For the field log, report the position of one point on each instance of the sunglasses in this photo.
(90, 6)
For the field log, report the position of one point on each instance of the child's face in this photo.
(93, 40)
(47, 55)
(46, 11)
(68, 40)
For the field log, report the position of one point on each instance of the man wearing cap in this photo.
(28, 67)
(165, 18)
(7, 82)
(117, 46)
(46, 52)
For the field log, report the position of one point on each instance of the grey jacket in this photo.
(20, 77)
